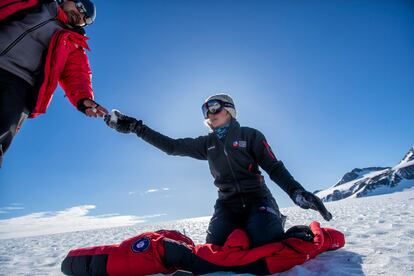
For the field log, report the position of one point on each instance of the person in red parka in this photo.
(42, 44)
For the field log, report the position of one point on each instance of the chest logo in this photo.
(211, 147)
(239, 144)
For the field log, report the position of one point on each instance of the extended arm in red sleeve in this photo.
(76, 79)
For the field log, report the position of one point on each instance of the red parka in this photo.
(279, 256)
(166, 251)
(66, 61)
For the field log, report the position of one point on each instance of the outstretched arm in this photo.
(192, 147)
(76, 82)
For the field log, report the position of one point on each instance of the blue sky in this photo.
(330, 84)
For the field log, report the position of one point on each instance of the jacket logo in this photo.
(239, 144)
(335, 245)
(140, 245)
(212, 147)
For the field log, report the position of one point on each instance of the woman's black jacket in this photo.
(233, 163)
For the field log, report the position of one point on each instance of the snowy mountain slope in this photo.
(409, 156)
(356, 174)
(379, 233)
(373, 181)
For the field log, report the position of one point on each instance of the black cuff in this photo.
(138, 128)
(81, 106)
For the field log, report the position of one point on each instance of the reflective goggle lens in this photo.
(212, 107)
(81, 8)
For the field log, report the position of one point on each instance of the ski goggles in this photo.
(214, 107)
(82, 9)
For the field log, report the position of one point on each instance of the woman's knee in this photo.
(218, 230)
(265, 225)
(263, 235)
(216, 238)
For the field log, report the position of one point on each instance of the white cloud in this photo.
(12, 207)
(149, 191)
(68, 220)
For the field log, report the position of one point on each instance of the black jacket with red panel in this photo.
(167, 251)
(234, 163)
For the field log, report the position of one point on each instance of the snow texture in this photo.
(379, 233)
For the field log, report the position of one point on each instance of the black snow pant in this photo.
(17, 100)
(260, 218)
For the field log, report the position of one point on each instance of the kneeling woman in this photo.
(234, 154)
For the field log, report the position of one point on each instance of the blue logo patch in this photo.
(141, 245)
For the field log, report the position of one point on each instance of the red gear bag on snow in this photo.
(166, 251)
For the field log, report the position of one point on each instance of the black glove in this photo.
(91, 108)
(306, 200)
(123, 123)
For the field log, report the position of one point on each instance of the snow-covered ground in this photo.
(379, 233)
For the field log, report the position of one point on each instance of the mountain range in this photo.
(362, 182)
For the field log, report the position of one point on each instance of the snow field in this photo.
(379, 233)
